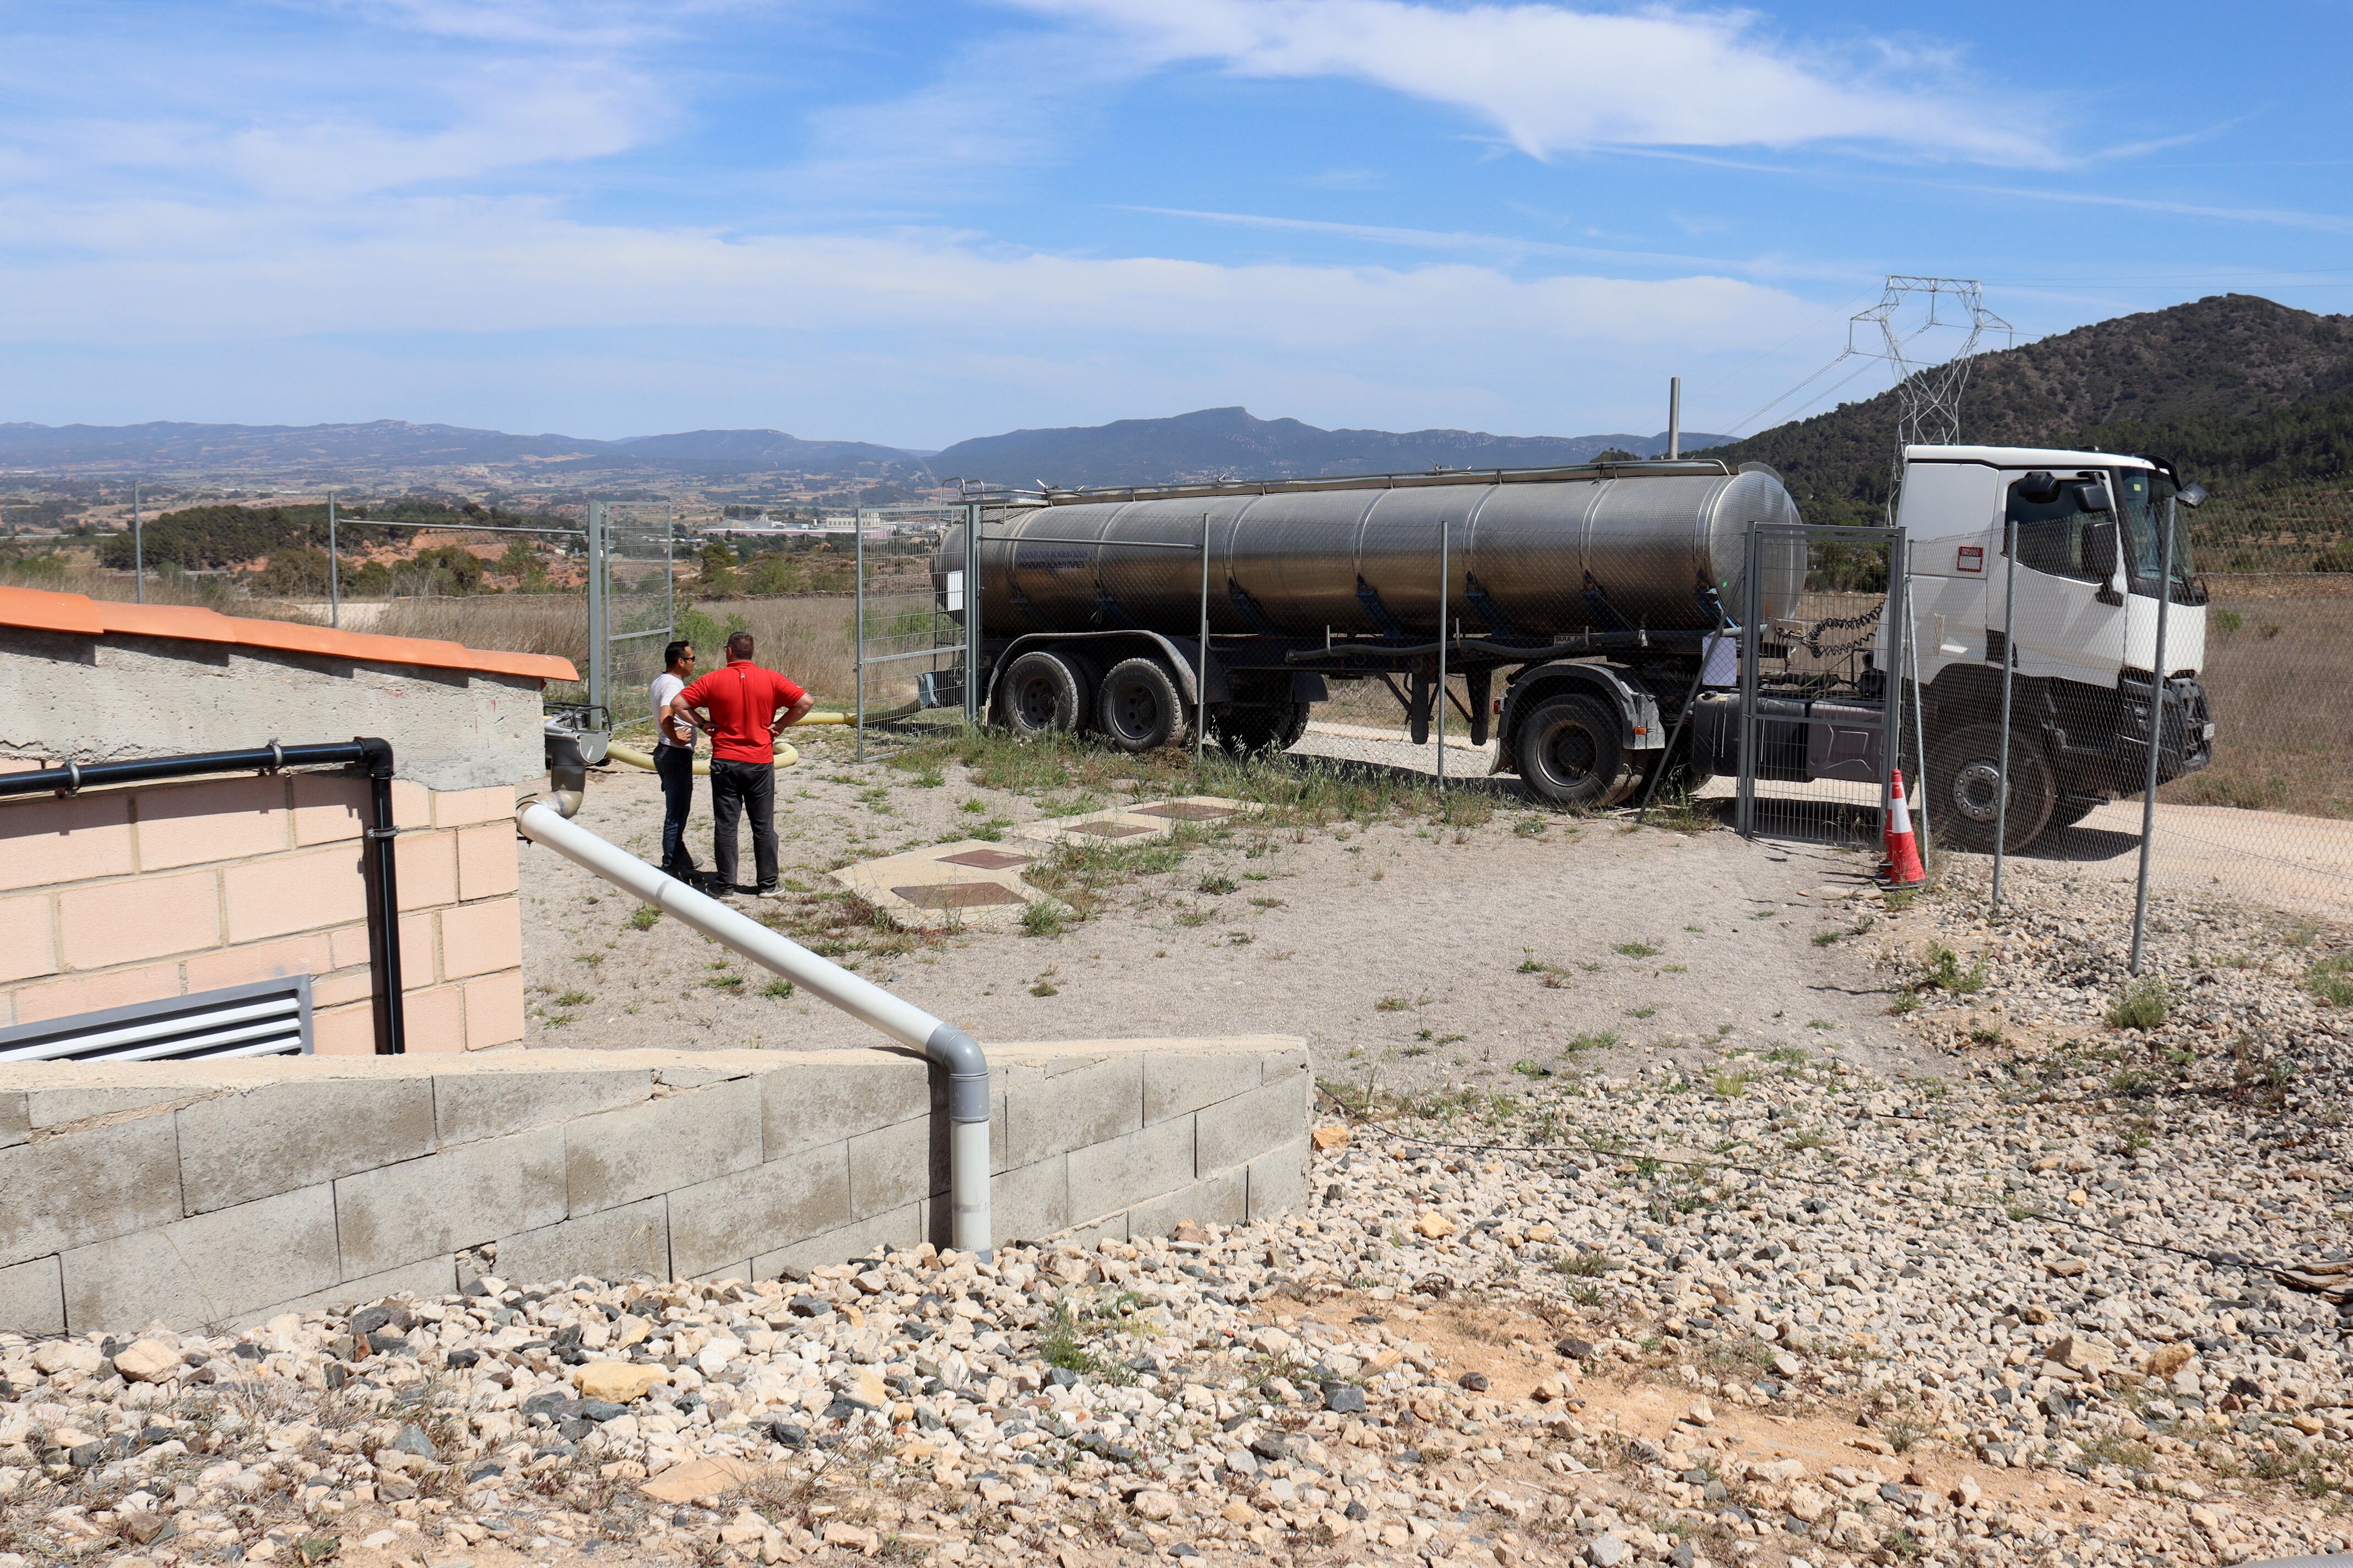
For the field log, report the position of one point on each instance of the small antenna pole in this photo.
(1675, 416)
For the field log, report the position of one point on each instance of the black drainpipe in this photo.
(384, 895)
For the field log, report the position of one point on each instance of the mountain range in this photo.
(397, 444)
(1203, 445)
(1231, 442)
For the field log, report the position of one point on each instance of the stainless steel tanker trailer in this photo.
(1593, 590)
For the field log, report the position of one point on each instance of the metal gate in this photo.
(1826, 694)
(632, 604)
(907, 633)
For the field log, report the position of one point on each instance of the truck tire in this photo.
(1041, 693)
(1139, 709)
(1572, 752)
(1249, 730)
(1963, 785)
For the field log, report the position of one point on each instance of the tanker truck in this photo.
(1604, 597)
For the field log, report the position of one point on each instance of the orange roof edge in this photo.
(40, 610)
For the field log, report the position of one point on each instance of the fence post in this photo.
(973, 705)
(138, 548)
(334, 578)
(2155, 734)
(1918, 798)
(1744, 810)
(1445, 569)
(599, 648)
(2009, 668)
(858, 649)
(1891, 720)
(1202, 663)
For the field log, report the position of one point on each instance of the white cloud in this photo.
(1553, 79)
(503, 266)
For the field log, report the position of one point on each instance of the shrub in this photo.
(2141, 1005)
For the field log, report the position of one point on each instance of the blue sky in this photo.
(912, 223)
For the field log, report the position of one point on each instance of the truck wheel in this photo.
(1964, 789)
(1041, 694)
(1249, 730)
(1571, 754)
(1139, 709)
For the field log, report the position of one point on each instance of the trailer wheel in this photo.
(1571, 754)
(1139, 709)
(1041, 694)
(1249, 730)
(1964, 789)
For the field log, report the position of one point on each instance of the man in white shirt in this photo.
(674, 760)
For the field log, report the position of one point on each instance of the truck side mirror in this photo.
(2039, 487)
(2192, 496)
(2091, 495)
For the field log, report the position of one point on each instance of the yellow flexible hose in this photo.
(786, 756)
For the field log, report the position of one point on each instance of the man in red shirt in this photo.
(743, 703)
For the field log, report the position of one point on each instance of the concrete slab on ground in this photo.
(1146, 819)
(969, 882)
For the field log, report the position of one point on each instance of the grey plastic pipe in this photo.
(943, 1043)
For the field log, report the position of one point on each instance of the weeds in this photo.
(1217, 883)
(1637, 950)
(2331, 980)
(643, 917)
(779, 988)
(1044, 916)
(1945, 973)
(2141, 1005)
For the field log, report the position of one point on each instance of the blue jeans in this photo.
(675, 765)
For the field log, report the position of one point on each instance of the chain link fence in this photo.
(2115, 649)
(907, 637)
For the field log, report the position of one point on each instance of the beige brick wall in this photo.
(139, 894)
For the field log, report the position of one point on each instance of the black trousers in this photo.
(675, 765)
(737, 787)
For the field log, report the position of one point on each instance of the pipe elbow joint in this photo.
(968, 1070)
(375, 755)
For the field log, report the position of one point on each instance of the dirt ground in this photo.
(1407, 953)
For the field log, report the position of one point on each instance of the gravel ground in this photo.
(1409, 953)
(2041, 1273)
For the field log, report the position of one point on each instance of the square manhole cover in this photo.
(1185, 811)
(957, 895)
(1109, 829)
(984, 859)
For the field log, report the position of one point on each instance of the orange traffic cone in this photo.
(1902, 867)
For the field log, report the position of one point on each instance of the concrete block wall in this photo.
(211, 1193)
(131, 895)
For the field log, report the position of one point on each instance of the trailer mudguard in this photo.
(1637, 710)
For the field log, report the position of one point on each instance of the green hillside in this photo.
(2249, 397)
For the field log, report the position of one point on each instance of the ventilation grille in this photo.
(272, 1017)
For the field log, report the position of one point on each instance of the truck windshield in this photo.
(2142, 495)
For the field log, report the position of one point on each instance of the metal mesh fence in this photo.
(908, 638)
(2233, 684)
(1825, 672)
(634, 574)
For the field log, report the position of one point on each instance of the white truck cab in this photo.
(2088, 531)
